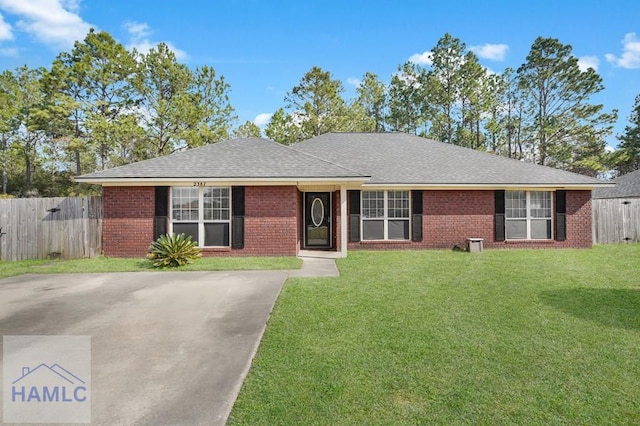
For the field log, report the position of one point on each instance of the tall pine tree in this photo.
(564, 129)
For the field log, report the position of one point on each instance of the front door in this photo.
(317, 220)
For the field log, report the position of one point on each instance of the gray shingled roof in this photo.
(388, 158)
(236, 158)
(626, 186)
(399, 158)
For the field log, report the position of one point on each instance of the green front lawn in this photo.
(431, 337)
(109, 264)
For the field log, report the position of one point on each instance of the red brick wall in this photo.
(127, 226)
(270, 221)
(579, 219)
(579, 231)
(273, 222)
(450, 217)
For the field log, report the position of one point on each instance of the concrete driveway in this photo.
(166, 347)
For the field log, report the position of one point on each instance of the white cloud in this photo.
(262, 119)
(137, 30)
(5, 30)
(140, 39)
(71, 5)
(630, 53)
(586, 62)
(52, 22)
(354, 81)
(494, 52)
(424, 58)
(609, 148)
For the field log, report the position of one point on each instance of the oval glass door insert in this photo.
(317, 212)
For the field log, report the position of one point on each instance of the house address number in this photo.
(199, 183)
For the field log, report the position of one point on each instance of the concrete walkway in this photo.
(315, 267)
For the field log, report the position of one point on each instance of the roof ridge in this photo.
(290, 147)
(324, 160)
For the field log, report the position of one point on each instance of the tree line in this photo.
(541, 112)
(101, 105)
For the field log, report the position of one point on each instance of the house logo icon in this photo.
(48, 383)
(46, 379)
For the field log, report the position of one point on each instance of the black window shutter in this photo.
(499, 215)
(416, 216)
(561, 215)
(160, 221)
(354, 215)
(237, 219)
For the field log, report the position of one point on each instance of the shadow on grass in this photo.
(618, 308)
(145, 264)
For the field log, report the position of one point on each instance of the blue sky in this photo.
(263, 48)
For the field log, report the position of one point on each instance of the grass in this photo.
(500, 337)
(106, 264)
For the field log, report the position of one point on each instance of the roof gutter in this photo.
(204, 181)
(487, 186)
(351, 182)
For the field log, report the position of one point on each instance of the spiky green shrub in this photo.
(171, 250)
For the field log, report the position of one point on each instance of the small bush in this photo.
(171, 250)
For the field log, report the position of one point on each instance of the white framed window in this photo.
(202, 212)
(528, 215)
(385, 215)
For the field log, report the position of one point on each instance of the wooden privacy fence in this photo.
(41, 228)
(616, 220)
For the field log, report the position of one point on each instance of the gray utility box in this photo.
(474, 245)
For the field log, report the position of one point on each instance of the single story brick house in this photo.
(338, 192)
